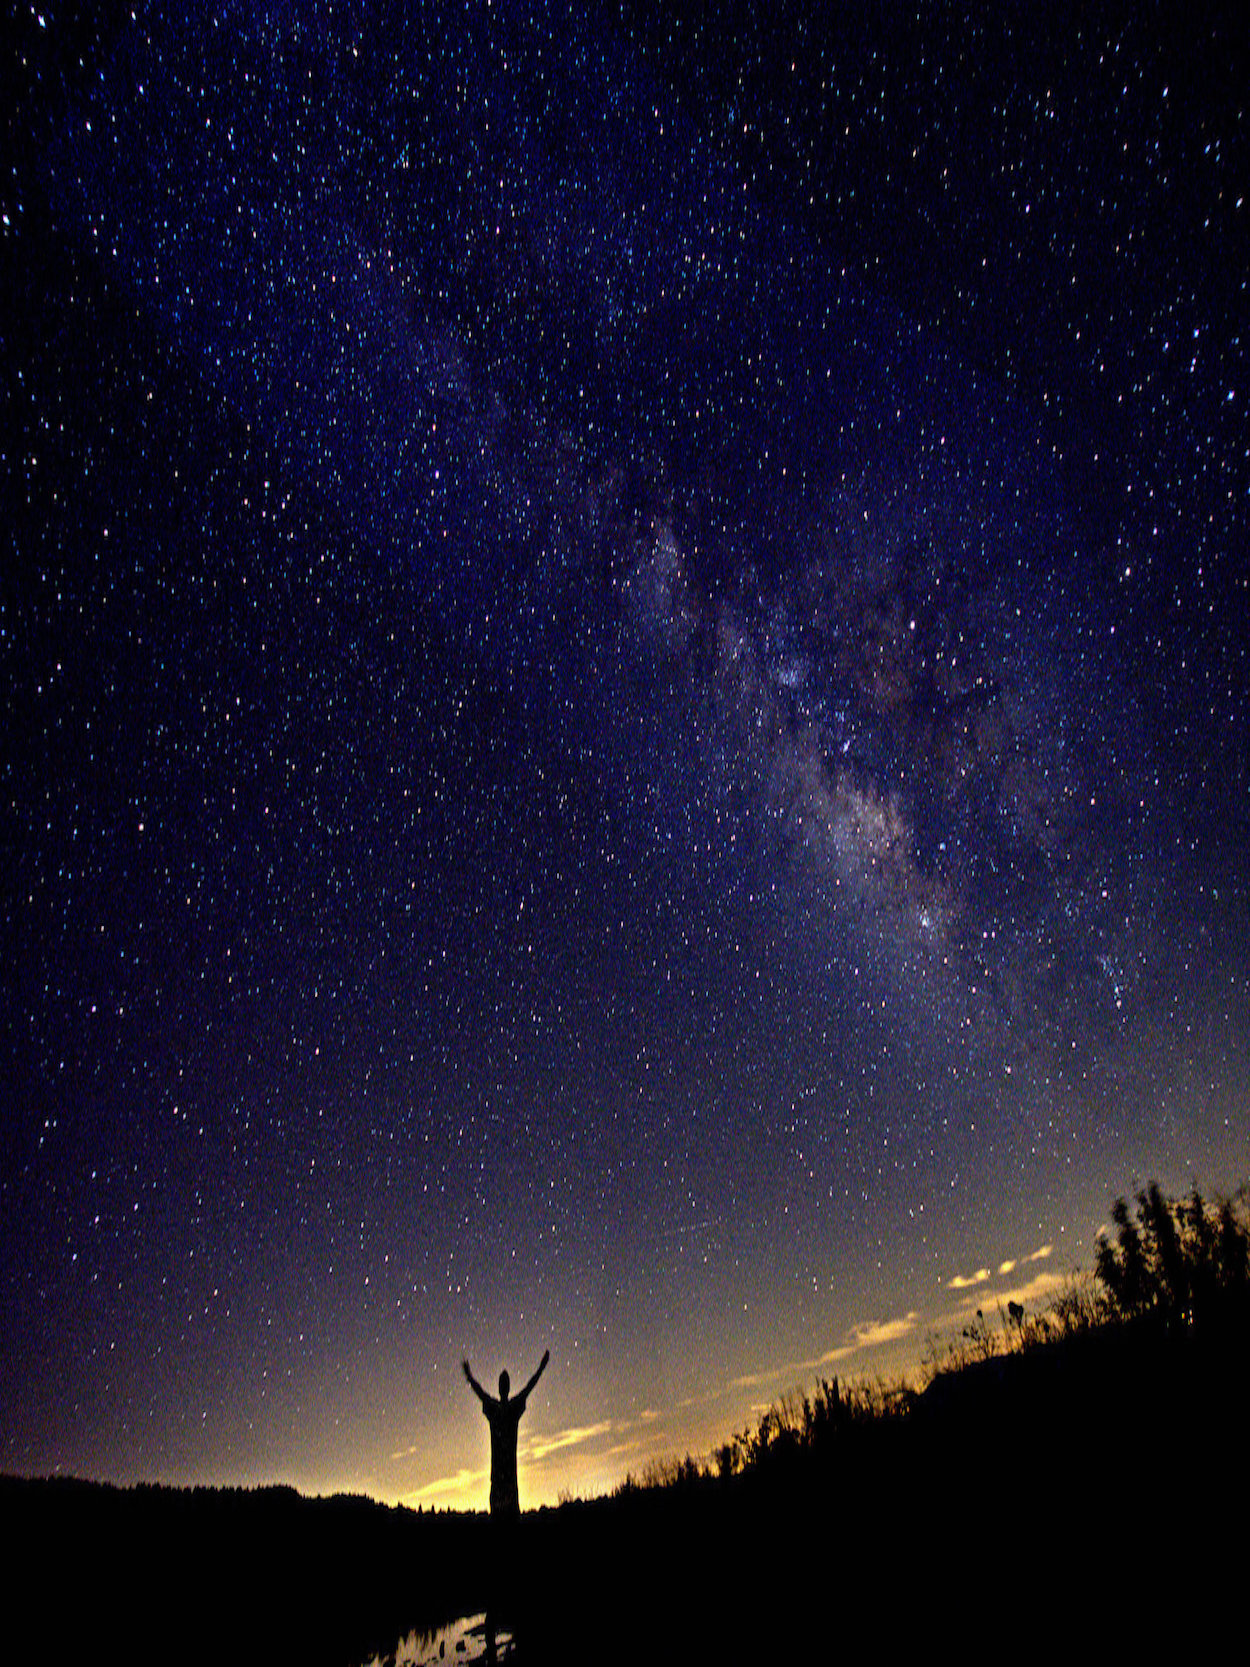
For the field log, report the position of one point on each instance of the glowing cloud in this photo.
(962, 1281)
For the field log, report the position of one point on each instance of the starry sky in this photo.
(623, 708)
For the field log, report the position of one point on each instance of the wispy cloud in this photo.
(752, 1380)
(539, 1446)
(866, 1334)
(1030, 1292)
(870, 1334)
(1040, 1286)
(634, 1444)
(460, 1483)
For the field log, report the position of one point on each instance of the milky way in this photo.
(584, 765)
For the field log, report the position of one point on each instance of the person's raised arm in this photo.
(474, 1385)
(542, 1367)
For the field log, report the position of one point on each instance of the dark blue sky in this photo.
(624, 709)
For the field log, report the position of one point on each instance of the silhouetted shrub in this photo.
(1079, 1307)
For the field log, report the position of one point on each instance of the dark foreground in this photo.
(1098, 1489)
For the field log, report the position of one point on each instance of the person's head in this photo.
(505, 1383)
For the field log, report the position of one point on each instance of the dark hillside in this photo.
(1087, 1466)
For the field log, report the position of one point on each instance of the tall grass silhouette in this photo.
(1167, 1269)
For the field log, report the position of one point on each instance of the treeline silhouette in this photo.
(205, 1574)
(1097, 1447)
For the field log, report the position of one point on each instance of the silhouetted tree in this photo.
(1173, 1259)
(1232, 1252)
(1121, 1262)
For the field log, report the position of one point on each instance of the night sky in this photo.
(623, 708)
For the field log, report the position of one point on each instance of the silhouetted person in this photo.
(503, 1416)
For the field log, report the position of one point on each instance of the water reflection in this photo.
(467, 1640)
